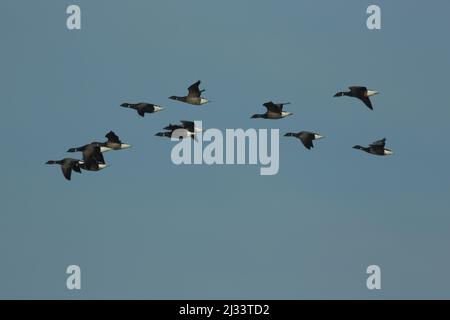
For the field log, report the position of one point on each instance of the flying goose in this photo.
(142, 108)
(305, 137)
(194, 95)
(187, 129)
(274, 111)
(113, 143)
(376, 148)
(359, 92)
(67, 165)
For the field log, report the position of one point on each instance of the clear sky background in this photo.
(145, 228)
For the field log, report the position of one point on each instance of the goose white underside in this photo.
(371, 93)
(100, 165)
(157, 108)
(317, 136)
(105, 149)
(285, 114)
(203, 100)
(125, 146)
(388, 152)
(122, 146)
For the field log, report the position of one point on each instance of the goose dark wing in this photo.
(306, 138)
(74, 164)
(66, 170)
(188, 125)
(194, 90)
(112, 137)
(366, 101)
(99, 157)
(380, 143)
(272, 107)
(378, 146)
(76, 168)
(93, 154)
(141, 112)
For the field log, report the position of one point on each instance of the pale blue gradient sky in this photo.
(145, 228)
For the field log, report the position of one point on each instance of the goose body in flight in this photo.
(376, 148)
(305, 137)
(361, 93)
(67, 165)
(142, 107)
(194, 95)
(274, 111)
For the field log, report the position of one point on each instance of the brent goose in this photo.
(188, 127)
(376, 148)
(194, 95)
(359, 92)
(113, 143)
(274, 111)
(67, 165)
(305, 137)
(142, 108)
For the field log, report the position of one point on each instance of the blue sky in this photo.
(145, 228)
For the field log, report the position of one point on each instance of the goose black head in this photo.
(255, 116)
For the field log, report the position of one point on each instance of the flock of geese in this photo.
(92, 153)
